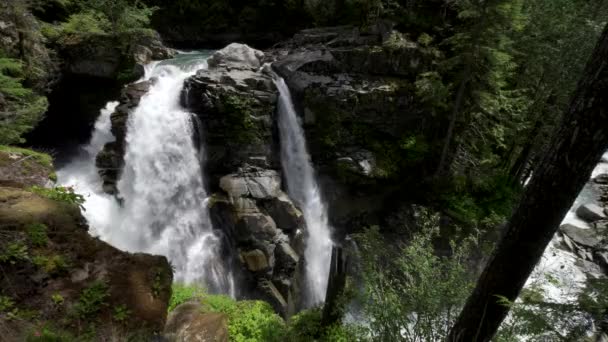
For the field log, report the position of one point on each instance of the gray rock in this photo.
(189, 323)
(237, 55)
(256, 226)
(601, 179)
(569, 244)
(255, 260)
(600, 225)
(259, 184)
(590, 212)
(284, 213)
(584, 237)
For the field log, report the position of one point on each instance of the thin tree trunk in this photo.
(450, 134)
(566, 166)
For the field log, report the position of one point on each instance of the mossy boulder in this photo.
(23, 167)
(58, 278)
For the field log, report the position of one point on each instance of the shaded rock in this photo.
(236, 107)
(590, 212)
(20, 168)
(140, 283)
(254, 183)
(255, 226)
(569, 244)
(273, 296)
(236, 55)
(255, 260)
(287, 258)
(601, 179)
(284, 213)
(188, 323)
(601, 224)
(110, 159)
(584, 237)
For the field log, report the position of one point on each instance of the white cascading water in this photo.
(162, 190)
(304, 190)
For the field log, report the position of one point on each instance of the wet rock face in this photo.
(111, 159)
(235, 101)
(366, 128)
(112, 57)
(261, 224)
(63, 271)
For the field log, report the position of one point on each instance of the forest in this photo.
(304, 170)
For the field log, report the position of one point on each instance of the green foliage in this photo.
(240, 115)
(306, 326)
(411, 293)
(51, 264)
(60, 194)
(20, 107)
(92, 300)
(47, 334)
(57, 299)
(43, 159)
(249, 321)
(6, 304)
(183, 293)
(36, 233)
(14, 252)
(121, 314)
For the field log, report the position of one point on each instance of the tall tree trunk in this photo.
(454, 117)
(566, 166)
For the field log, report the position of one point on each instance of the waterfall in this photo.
(304, 190)
(164, 209)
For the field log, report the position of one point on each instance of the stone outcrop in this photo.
(111, 159)
(591, 212)
(368, 132)
(111, 57)
(70, 279)
(236, 104)
(189, 323)
(23, 168)
(262, 225)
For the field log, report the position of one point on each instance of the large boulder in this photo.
(261, 223)
(237, 55)
(236, 104)
(189, 323)
(584, 237)
(590, 212)
(71, 280)
(24, 168)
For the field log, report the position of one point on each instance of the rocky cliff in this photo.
(60, 282)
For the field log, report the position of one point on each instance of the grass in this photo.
(42, 159)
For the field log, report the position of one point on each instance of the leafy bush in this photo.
(182, 293)
(14, 252)
(411, 293)
(306, 326)
(92, 300)
(61, 194)
(53, 264)
(36, 232)
(20, 107)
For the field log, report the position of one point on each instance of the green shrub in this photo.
(46, 334)
(411, 293)
(14, 252)
(121, 314)
(53, 265)
(182, 293)
(21, 107)
(252, 321)
(60, 194)
(92, 300)
(36, 233)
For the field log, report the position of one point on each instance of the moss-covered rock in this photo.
(60, 279)
(23, 167)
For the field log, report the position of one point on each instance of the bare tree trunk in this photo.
(566, 166)
(450, 134)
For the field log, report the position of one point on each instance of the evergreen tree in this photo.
(566, 166)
